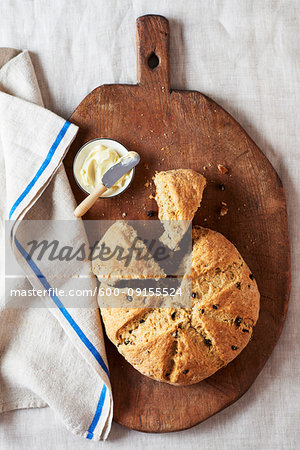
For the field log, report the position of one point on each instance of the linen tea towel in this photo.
(50, 354)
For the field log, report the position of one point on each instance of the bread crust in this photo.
(183, 346)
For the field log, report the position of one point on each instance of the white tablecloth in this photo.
(246, 56)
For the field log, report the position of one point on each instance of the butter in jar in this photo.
(94, 159)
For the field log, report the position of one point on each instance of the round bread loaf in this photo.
(186, 345)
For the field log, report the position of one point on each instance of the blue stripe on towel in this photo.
(45, 164)
(61, 307)
(97, 413)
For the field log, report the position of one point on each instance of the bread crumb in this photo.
(151, 196)
(124, 214)
(222, 169)
(204, 168)
(148, 183)
(224, 209)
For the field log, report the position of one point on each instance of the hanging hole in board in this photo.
(153, 61)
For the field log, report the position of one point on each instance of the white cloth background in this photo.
(245, 55)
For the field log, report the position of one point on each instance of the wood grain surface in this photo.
(184, 129)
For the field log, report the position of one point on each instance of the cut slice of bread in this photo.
(130, 258)
(178, 196)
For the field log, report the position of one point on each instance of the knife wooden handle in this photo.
(88, 202)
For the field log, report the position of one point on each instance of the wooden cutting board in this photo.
(184, 129)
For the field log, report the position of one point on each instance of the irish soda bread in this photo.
(118, 265)
(178, 195)
(184, 346)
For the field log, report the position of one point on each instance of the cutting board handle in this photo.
(153, 70)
